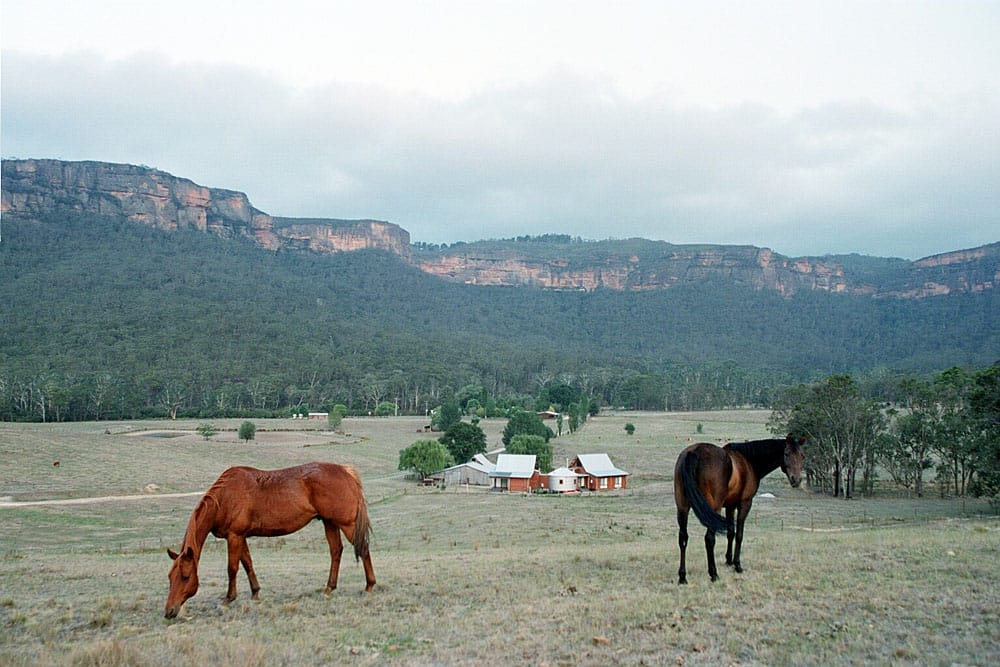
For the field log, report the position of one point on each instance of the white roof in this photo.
(563, 472)
(521, 466)
(599, 465)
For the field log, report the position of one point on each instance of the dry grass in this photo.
(473, 576)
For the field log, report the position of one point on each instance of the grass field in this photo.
(467, 576)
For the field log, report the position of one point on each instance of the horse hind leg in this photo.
(730, 534)
(682, 541)
(336, 549)
(713, 572)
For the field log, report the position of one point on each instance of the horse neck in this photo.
(200, 525)
(764, 456)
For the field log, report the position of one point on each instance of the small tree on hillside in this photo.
(248, 431)
(335, 416)
(207, 430)
(463, 440)
(425, 457)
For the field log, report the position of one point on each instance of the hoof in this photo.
(682, 581)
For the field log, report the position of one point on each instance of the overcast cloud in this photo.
(807, 128)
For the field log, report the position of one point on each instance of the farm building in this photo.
(597, 473)
(515, 472)
(477, 471)
(563, 480)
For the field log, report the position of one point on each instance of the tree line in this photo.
(946, 429)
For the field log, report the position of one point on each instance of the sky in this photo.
(807, 127)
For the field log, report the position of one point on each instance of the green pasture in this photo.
(467, 576)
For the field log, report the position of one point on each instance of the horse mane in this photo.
(762, 455)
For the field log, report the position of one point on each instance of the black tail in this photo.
(708, 516)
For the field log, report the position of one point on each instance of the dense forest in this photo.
(106, 319)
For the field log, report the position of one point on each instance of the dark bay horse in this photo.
(249, 502)
(708, 478)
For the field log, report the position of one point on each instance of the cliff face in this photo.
(664, 266)
(155, 198)
(158, 199)
(326, 236)
(145, 196)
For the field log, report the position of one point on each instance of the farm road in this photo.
(10, 504)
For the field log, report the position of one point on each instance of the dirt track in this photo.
(10, 504)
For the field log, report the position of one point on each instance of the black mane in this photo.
(764, 456)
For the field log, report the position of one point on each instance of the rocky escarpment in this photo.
(652, 266)
(326, 236)
(34, 188)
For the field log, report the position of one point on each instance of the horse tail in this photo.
(708, 516)
(362, 526)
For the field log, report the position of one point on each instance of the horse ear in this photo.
(188, 552)
(173, 554)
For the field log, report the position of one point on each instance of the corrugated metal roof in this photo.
(599, 465)
(519, 466)
(563, 472)
(479, 463)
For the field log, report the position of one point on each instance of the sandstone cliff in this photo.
(158, 199)
(651, 266)
(151, 197)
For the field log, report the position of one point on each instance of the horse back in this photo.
(278, 502)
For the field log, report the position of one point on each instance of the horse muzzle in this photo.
(171, 612)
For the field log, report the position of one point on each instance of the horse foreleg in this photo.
(682, 542)
(336, 549)
(730, 534)
(248, 568)
(710, 550)
(740, 520)
(235, 547)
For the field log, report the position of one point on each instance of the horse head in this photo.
(793, 460)
(183, 579)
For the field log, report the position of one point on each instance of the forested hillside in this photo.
(106, 319)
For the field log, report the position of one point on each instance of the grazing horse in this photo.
(708, 478)
(249, 502)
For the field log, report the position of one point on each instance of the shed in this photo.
(598, 473)
(563, 480)
(515, 472)
(477, 471)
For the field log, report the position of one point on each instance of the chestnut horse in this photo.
(249, 502)
(708, 478)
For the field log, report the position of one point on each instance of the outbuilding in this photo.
(477, 472)
(563, 480)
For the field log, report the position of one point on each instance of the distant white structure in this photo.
(563, 480)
